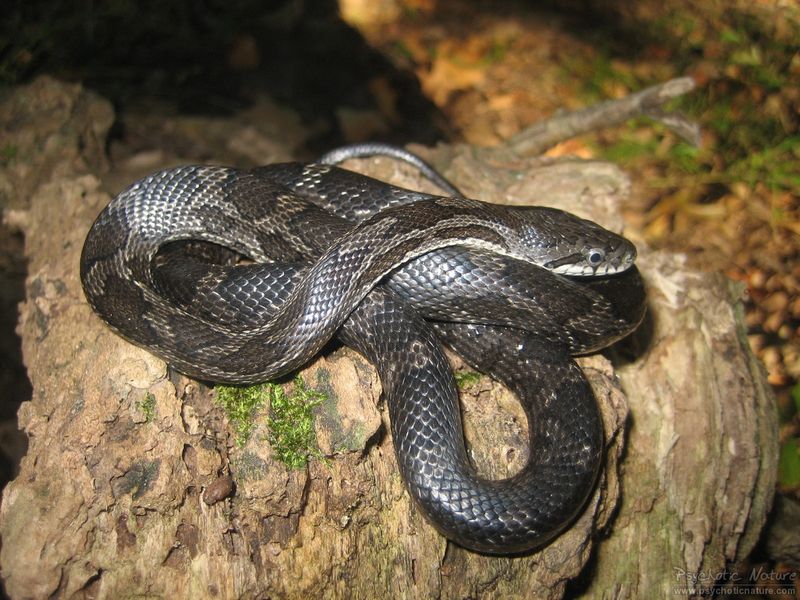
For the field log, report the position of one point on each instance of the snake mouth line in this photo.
(573, 266)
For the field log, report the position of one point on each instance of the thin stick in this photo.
(648, 102)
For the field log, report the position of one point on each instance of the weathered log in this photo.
(121, 496)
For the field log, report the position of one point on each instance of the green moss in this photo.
(467, 378)
(498, 50)
(789, 464)
(291, 419)
(8, 153)
(241, 403)
(291, 423)
(147, 406)
(796, 397)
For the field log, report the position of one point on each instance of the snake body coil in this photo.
(333, 253)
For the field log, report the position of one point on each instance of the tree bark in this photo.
(115, 500)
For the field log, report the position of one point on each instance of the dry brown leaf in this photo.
(573, 147)
(502, 101)
(446, 77)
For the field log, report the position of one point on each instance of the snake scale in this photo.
(241, 276)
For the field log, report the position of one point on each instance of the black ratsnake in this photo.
(240, 276)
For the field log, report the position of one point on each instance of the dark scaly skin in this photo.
(492, 516)
(565, 435)
(343, 153)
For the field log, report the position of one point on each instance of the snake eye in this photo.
(595, 256)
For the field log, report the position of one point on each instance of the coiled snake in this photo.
(389, 272)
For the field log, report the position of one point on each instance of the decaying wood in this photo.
(113, 501)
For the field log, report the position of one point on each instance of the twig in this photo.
(649, 103)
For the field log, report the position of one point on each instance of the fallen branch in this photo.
(648, 103)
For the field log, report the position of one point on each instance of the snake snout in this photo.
(621, 257)
(596, 260)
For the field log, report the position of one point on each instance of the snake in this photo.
(240, 276)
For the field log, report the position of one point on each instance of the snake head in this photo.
(568, 245)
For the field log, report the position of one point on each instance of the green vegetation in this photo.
(789, 464)
(291, 423)
(291, 417)
(789, 458)
(240, 405)
(147, 406)
(497, 51)
(467, 378)
(744, 104)
(8, 153)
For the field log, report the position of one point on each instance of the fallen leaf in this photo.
(446, 77)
